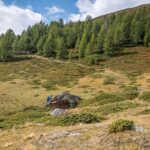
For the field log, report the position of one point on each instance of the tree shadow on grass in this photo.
(17, 58)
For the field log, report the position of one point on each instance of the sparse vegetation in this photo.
(121, 126)
(131, 92)
(116, 107)
(144, 112)
(109, 80)
(146, 96)
(103, 98)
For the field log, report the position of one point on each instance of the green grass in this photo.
(40, 115)
(112, 108)
(102, 99)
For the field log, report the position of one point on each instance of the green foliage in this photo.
(40, 45)
(92, 59)
(102, 99)
(100, 41)
(145, 96)
(109, 48)
(15, 45)
(36, 114)
(82, 46)
(49, 47)
(80, 118)
(115, 107)
(147, 39)
(6, 42)
(121, 126)
(18, 118)
(60, 48)
(103, 36)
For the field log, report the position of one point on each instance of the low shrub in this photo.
(130, 92)
(116, 107)
(103, 98)
(79, 118)
(121, 126)
(146, 96)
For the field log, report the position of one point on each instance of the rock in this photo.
(58, 112)
(74, 134)
(139, 129)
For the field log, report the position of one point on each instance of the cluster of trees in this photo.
(87, 40)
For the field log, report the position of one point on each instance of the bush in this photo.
(79, 118)
(146, 96)
(121, 126)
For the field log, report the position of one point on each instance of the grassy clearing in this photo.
(36, 71)
(35, 74)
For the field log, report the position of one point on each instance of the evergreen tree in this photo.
(82, 46)
(147, 39)
(49, 47)
(118, 38)
(100, 41)
(24, 42)
(126, 29)
(6, 45)
(40, 45)
(109, 49)
(91, 46)
(60, 48)
(15, 45)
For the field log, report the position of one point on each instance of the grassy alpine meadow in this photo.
(28, 82)
(109, 92)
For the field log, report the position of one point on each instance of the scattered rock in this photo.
(74, 134)
(58, 112)
(139, 129)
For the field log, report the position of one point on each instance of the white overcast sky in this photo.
(19, 18)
